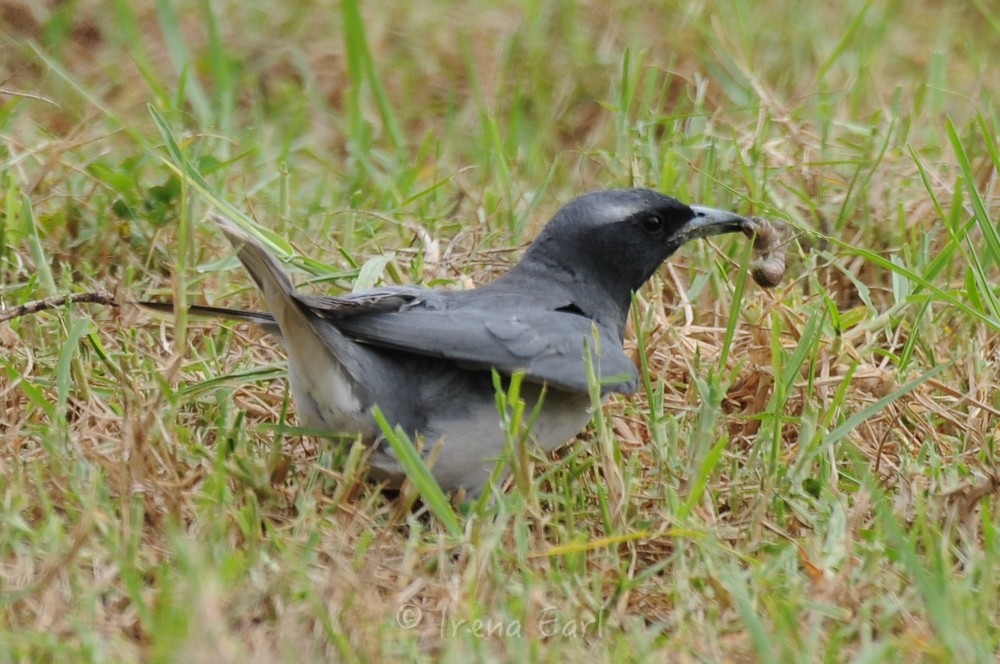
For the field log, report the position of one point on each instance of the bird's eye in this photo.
(653, 223)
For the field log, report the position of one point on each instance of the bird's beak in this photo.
(709, 221)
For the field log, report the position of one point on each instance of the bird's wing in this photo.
(548, 346)
(375, 300)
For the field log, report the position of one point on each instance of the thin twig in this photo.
(56, 301)
(27, 95)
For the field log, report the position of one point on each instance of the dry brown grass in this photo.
(151, 512)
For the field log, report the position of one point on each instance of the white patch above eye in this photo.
(621, 212)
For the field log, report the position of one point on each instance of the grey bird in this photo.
(425, 356)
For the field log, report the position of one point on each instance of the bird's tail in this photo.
(327, 371)
(264, 268)
(267, 273)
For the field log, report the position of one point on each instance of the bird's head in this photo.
(612, 241)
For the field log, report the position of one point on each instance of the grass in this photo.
(807, 474)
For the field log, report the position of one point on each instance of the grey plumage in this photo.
(424, 356)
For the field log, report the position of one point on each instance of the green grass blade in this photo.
(420, 475)
(705, 469)
(42, 269)
(178, 162)
(857, 418)
(978, 205)
(362, 67)
(945, 296)
(183, 65)
(64, 377)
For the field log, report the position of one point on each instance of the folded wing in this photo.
(548, 346)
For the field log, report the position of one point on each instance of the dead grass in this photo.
(824, 481)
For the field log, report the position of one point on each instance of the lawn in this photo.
(809, 473)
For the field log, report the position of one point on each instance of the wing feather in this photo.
(548, 346)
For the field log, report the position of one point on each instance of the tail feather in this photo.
(326, 371)
(264, 268)
(262, 320)
(274, 283)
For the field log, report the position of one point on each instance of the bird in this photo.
(426, 357)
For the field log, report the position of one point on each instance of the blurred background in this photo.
(771, 105)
